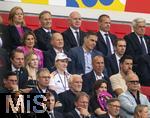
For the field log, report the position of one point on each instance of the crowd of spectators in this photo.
(81, 74)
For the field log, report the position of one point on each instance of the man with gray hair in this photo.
(132, 97)
(67, 98)
(137, 41)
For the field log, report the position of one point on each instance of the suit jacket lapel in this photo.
(136, 40)
(72, 37)
(101, 38)
(81, 57)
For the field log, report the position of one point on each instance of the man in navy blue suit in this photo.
(112, 61)
(97, 73)
(44, 33)
(105, 38)
(82, 56)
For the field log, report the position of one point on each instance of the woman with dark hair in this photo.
(99, 98)
(29, 41)
(16, 28)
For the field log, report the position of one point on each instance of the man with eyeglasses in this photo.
(43, 79)
(113, 107)
(132, 97)
(10, 83)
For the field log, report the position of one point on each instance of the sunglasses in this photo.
(137, 82)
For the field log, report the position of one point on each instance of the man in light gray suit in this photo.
(132, 97)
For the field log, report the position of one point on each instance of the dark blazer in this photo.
(43, 40)
(143, 70)
(39, 91)
(23, 77)
(134, 48)
(104, 116)
(69, 39)
(4, 35)
(74, 114)
(88, 82)
(77, 65)
(45, 115)
(14, 38)
(67, 102)
(101, 45)
(111, 64)
(49, 59)
(4, 64)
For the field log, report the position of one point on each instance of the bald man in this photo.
(57, 43)
(73, 36)
(97, 73)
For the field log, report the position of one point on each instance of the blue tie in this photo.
(108, 45)
(143, 46)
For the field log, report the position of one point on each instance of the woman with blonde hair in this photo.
(141, 111)
(16, 27)
(31, 64)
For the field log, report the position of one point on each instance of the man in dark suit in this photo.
(75, 85)
(143, 70)
(44, 33)
(105, 38)
(112, 61)
(113, 107)
(82, 56)
(57, 43)
(81, 107)
(97, 73)
(50, 111)
(73, 36)
(137, 42)
(17, 63)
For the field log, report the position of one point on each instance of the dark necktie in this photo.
(49, 34)
(17, 72)
(78, 38)
(143, 46)
(51, 115)
(108, 45)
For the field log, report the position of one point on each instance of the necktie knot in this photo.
(106, 35)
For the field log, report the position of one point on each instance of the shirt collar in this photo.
(50, 111)
(14, 69)
(102, 75)
(46, 30)
(73, 30)
(57, 51)
(86, 51)
(103, 33)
